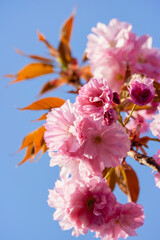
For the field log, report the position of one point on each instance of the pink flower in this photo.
(94, 98)
(126, 220)
(138, 120)
(83, 205)
(108, 49)
(60, 132)
(157, 179)
(144, 58)
(110, 116)
(75, 166)
(155, 125)
(141, 90)
(112, 68)
(157, 175)
(109, 144)
(113, 37)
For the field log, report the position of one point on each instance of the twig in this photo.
(144, 160)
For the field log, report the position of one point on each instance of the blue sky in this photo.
(24, 213)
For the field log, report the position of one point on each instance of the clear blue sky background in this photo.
(24, 213)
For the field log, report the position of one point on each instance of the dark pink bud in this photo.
(116, 98)
(141, 90)
(110, 117)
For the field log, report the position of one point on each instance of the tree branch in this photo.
(144, 160)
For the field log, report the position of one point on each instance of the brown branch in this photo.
(144, 160)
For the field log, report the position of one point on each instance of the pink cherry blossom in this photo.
(83, 205)
(138, 120)
(94, 98)
(141, 90)
(112, 68)
(155, 125)
(110, 116)
(60, 131)
(144, 59)
(108, 49)
(157, 175)
(109, 144)
(75, 166)
(157, 179)
(127, 218)
(113, 37)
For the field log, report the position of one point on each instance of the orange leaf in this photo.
(34, 142)
(85, 72)
(27, 141)
(64, 52)
(29, 154)
(52, 85)
(39, 139)
(35, 57)
(66, 29)
(9, 75)
(65, 36)
(43, 117)
(127, 181)
(111, 180)
(33, 70)
(84, 58)
(133, 183)
(121, 181)
(45, 103)
(42, 38)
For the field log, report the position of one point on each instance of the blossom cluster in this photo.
(90, 135)
(112, 48)
(84, 140)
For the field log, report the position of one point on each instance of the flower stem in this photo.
(127, 120)
(109, 173)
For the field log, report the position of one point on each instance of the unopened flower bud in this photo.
(141, 90)
(110, 117)
(116, 98)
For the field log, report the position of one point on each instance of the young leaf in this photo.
(43, 117)
(34, 142)
(45, 104)
(52, 85)
(39, 139)
(29, 155)
(127, 181)
(66, 29)
(133, 183)
(42, 38)
(65, 36)
(33, 70)
(111, 180)
(85, 72)
(64, 53)
(35, 57)
(28, 140)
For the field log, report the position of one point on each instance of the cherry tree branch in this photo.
(144, 160)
